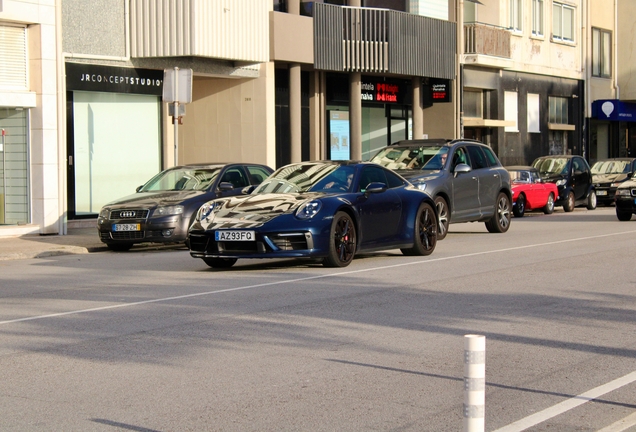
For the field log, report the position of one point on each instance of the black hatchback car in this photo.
(464, 177)
(608, 174)
(161, 210)
(573, 177)
(625, 200)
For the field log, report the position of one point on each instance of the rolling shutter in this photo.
(13, 57)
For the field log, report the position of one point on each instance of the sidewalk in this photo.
(77, 241)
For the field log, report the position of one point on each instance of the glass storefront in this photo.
(114, 133)
(14, 167)
(117, 146)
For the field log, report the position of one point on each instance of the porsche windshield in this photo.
(308, 177)
(412, 158)
(181, 179)
(552, 166)
(611, 167)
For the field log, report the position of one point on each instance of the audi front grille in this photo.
(129, 214)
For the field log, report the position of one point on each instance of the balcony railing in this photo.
(486, 39)
(352, 39)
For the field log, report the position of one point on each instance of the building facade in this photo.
(30, 199)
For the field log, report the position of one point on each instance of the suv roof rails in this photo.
(422, 141)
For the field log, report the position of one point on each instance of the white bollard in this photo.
(474, 383)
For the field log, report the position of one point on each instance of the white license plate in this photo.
(234, 235)
(126, 227)
(599, 193)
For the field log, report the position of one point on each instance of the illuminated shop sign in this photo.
(90, 77)
(435, 90)
(382, 92)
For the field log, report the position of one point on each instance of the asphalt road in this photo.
(156, 341)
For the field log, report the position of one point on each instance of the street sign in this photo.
(177, 85)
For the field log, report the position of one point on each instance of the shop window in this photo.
(14, 167)
(601, 53)
(117, 146)
(558, 113)
(516, 16)
(562, 22)
(537, 17)
(473, 104)
(511, 110)
(557, 142)
(533, 113)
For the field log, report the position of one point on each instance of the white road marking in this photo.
(621, 425)
(350, 272)
(569, 404)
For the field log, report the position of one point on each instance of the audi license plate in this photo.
(234, 236)
(126, 227)
(601, 192)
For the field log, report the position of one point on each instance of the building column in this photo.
(355, 115)
(295, 109)
(418, 112)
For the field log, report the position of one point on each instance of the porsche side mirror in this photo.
(375, 187)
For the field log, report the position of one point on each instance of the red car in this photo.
(529, 192)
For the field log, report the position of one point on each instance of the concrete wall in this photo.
(229, 120)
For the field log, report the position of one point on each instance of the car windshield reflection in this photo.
(611, 167)
(552, 166)
(412, 158)
(181, 179)
(308, 178)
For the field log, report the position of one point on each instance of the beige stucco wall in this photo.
(601, 15)
(439, 121)
(626, 53)
(229, 120)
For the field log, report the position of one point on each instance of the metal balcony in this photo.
(486, 39)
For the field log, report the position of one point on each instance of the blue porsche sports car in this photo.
(329, 210)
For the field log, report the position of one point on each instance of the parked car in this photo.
(573, 177)
(328, 210)
(464, 177)
(529, 192)
(162, 210)
(625, 199)
(608, 174)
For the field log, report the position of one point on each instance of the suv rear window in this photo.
(477, 158)
(490, 156)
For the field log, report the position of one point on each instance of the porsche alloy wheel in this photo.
(342, 241)
(425, 236)
(442, 216)
(500, 221)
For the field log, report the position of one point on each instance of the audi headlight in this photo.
(104, 213)
(308, 210)
(168, 210)
(623, 192)
(561, 182)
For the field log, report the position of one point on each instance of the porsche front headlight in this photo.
(308, 210)
(206, 210)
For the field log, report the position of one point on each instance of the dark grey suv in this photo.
(464, 177)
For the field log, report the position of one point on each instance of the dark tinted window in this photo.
(393, 180)
(477, 157)
(371, 174)
(490, 157)
(459, 156)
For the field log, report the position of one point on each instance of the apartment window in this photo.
(537, 17)
(534, 119)
(473, 104)
(601, 53)
(562, 22)
(516, 15)
(511, 111)
(558, 110)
